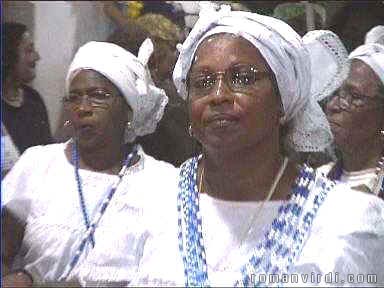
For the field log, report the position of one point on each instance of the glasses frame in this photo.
(90, 100)
(227, 77)
(346, 101)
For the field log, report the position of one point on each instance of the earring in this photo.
(190, 131)
(67, 123)
(129, 125)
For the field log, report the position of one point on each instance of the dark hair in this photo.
(11, 38)
(129, 38)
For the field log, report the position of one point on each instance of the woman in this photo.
(23, 111)
(355, 114)
(247, 81)
(94, 180)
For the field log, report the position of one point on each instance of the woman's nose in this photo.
(337, 104)
(84, 105)
(37, 56)
(222, 92)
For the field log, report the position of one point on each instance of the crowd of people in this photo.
(238, 153)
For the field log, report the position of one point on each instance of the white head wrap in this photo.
(130, 75)
(373, 55)
(329, 62)
(375, 35)
(286, 55)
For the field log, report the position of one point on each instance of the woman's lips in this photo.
(221, 121)
(86, 130)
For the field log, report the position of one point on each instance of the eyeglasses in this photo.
(96, 97)
(349, 100)
(240, 78)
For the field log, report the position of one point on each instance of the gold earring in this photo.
(190, 131)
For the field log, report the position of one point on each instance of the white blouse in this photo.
(347, 237)
(41, 190)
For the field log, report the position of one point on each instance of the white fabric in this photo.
(130, 75)
(373, 55)
(375, 35)
(10, 154)
(45, 196)
(329, 62)
(362, 181)
(347, 237)
(284, 52)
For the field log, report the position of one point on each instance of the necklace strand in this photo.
(92, 226)
(255, 216)
(283, 239)
(75, 160)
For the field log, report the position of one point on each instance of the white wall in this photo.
(59, 29)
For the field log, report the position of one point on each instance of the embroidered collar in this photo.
(277, 250)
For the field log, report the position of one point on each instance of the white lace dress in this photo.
(41, 190)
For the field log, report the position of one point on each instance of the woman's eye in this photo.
(203, 82)
(243, 78)
(99, 95)
(73, 97)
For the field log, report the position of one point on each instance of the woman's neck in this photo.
(12, 92)
(363, 158)
(246, 175)
(107, 159)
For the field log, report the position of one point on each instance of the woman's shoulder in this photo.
(155, 164)
(347, 211)
(36, 156)
(44, 150)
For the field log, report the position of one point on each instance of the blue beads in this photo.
(75, 160)
(276, 252)
(92, 226)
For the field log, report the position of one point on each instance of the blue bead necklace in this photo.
(91, 227)
(75, 161)
(276, 251)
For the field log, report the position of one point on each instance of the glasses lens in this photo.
(201, 84)
(242, 78)
(99, 96)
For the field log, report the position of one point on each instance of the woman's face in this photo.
(27, 58)
(96, 109)
(356, 112)
(235, 109)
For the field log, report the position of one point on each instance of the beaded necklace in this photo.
(75, 161)
(276, 251)
(88, 235)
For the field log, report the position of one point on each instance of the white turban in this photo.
(371, 54)
(286, 55)
(375, 35)
(130, 75)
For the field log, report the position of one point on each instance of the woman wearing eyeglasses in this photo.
(247, 214)
(86, 199)
(356, 117)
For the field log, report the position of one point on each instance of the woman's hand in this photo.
(18, 279)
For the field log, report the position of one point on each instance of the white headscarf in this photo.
(375, 35)
(130, 75)
(329, 62)
(373, 55)
(288, 58)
